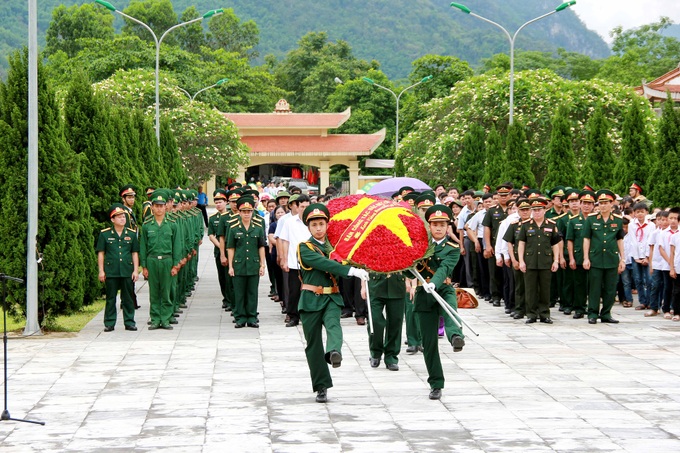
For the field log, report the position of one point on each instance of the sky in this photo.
(603, 15)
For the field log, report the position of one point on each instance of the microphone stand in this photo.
(5, 413)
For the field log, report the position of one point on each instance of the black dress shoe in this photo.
(238, 325)
(335, 358)
(321, 396)
(530, 321)
(137, 307)
(108, 328)
(346, 315)
(435, 394)
(496, 303)
(609, 321)
(154, 327)
(457, 342)
(174, 321)
(132, 328)
(375, 363)
(253, 324)
(567, 311)
(546, 321)
(561, 308)
(228, 309)
(508, 311)
(578, 315)
(592, 320)
(292, 323)
(166, 327)
(518, 316)
(175, 315)
(392, 366)
(182, 305)
(412, 350)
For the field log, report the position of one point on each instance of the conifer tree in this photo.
(518, 160)
(171, 158)
(560, 157)
(495, 158)
(68, 272)
(471, 162)
(665, 178)
(633, 164)
(598, 168)
(149, 153)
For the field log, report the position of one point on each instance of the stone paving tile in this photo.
(207, 387)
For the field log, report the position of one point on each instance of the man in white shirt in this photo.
(467, 249)
(503, 258)
(294, 231)
(475, 231)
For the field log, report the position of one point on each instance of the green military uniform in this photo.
(246, 243)
(160, 250)
(118, 267)
(387, 292)
(320, 303)
(604, 236)
(512, 237)
(226, 220)
(579, 280)
(436, 270)
(213, 224)
(538, 258)
(557, 283)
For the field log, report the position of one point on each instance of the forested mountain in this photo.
(393, 32)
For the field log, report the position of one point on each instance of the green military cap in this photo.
(486, 187)
(410, 197)
(251, 193)
(126, 190)
(504, 189)
(478, 194)
(538, 203)
(571, 194)
(234, 185)
(438, 212)
(532, 193)
(556, 192)
(457, 203)
(587, 196)
(116, 209)
(425, 200)
(406, 189)
(220, 194)
(588, 187)
(245, 204)
(159, 197)
(149, 191)
(428, 192)
(605, 195)
(293, 198)
(234, 194)
(636, 186)
(282, 194)
(523, 203)
(525, 187)
(315, 211)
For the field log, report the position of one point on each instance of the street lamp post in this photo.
(397, 97)
(511, 39)
(216, 84)
(110, 7)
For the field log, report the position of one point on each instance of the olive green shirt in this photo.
(538, 253)
(118, 251)
(437, 269)
(604, 237)
(575, 235)
(160, 240)
(317, 269)
(246, 244)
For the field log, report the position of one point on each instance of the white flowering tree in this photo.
(484, 100)
(208, 142)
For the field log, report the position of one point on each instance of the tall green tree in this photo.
(170, 157)
(636, 147)
(495, 158)
(598, 168)
(159, 15)
(518, 160)
(472, 155)
(229, 33)
(665, 177)
(191, 37)
(70, 25)
(68, 272)
(560, 157)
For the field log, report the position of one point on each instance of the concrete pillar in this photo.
(353, 176)
(241, 174)
(209, 187)
(324, 175)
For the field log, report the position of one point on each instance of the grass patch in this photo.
(62, 323)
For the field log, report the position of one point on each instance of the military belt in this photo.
(160, 257)
(319, 290)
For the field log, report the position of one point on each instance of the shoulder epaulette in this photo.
(134, 230)
(527, 220)
(573, 216)
(618, 216)
(233, 225)
(149, 220)
(514, 222)
(560, 216)
(106, 229)
(453, 244)
(551, 220)
(592, 214)
(234, 219)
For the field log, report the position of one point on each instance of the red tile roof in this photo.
(657, 88)
(339, 145)
(289, 120)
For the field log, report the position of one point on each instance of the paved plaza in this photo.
(207, 387)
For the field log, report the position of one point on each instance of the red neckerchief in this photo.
(639, 234)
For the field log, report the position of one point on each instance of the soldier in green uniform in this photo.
(603, 256)
(556, 213)
(160, 254)
(538, 252)
(245, 254)
(492, 221)
(220, 201)
(146, 206)
(128, 196)
(226, 220)
(118, 260)
(512, 238)
(320, 301)
(436, 271)
(566, 274)
(574, 237)
(387, 292)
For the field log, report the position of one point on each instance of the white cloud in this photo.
(603, 15)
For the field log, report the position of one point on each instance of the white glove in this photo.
(358, 273)
(429, 287)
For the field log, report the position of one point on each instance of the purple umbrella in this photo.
(387, 187)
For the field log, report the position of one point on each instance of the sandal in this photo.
(627, 304)
(641, 307)
(676, 318)
(667, 315)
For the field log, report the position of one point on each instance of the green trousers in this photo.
(124, 285)
(223, 282)
(580, 293)
(520, 292)
(413, 337)
(602, 286)
(160, 280)
(567, 289)
(537, 289)
(229, 282)
(428, 322)
(317, 359)
(245, 298)
(386, 338)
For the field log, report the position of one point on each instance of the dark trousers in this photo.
(350, 289)
(537, 287)
(413, 337)
(124, 285)
(223, 282)
(520, 298)
(508, 287)
(386, 338)
(483, 275)
(470, 260)
(580, 291)
(294, 287)
(271, 264)
(676, 296)
(567, 289)
(496, 277)
(204, 212)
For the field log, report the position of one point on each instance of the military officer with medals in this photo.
(436, 270)
(574, 238)
(604, 257)
(539, 257)
(246, 260)
(118, 260)
(512, 238)
(320, 301)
